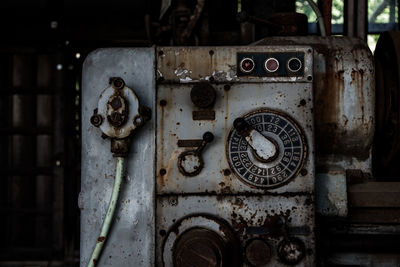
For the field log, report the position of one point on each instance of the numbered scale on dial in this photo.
(289, 142)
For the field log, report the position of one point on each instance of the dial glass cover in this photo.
(291, 146)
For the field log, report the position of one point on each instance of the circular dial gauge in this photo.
(290, 143)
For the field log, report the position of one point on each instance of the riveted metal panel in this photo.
(175, 123)
(219, 64)
(249, 216)
(216, 191)
(131, 238)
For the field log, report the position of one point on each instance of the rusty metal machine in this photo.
(242, 147)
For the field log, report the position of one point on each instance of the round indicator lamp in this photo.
(294, 64)
(271, 64)
(247, 65)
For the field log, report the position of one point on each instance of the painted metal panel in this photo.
(131, 239)
(215, 190)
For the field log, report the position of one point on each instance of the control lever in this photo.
(190, 163)
(265, 149)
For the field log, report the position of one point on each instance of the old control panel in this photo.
(235, 161)
(223, 173)
(266, 148)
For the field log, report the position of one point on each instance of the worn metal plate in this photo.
(248, 217)
(215, 190)
(175, 123)
(220, 64)
(131, 238)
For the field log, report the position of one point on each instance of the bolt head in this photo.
(138, 120)
(96, 120)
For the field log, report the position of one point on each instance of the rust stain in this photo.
(171, 160)
(100, 239)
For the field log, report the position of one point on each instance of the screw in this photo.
(118, 83)
(163, 172)
(96, 120)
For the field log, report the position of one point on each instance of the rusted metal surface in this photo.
(205, 239)
(327, 14)
(118, 108)
(291, 251)
(131, 239)
(199, 64)
(264, 212)
(203, 95)
(258, 252)
(271, 215)
(344, 85)
(174, 124)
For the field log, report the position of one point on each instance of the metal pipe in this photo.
(119, 170)
(320, 18)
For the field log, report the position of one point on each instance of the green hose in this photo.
(119, 170)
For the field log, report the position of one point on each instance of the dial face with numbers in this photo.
(290, 143)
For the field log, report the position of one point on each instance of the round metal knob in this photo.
(258, 252)
(203, 95)
(199, 247)
(291, 251)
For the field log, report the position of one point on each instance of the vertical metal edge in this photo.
(123, 62)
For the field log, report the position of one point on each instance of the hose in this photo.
(320, 18)
(119, 170)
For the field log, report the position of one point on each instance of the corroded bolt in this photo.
(118, 83)
(137, 120)
(291, 251)
(96, 120)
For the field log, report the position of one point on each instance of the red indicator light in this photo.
(271, 64)
(247, 65)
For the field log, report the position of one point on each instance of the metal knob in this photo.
(190, 163)
(203, 95)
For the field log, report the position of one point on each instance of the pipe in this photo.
(320, 18)
(119, 170)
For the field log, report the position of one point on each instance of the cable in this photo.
(320, 18)
(119, 170)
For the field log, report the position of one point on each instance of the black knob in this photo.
(208, 137)
(240, 124)
(203, 95)
(291, 251)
